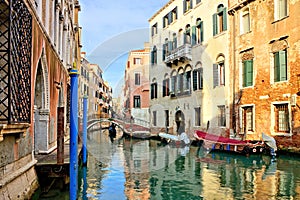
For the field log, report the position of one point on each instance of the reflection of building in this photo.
(190, 75)
(40, 42)
(136, 89)
(265, 66)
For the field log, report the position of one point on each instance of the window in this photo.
(173, 84)
(219, 74)
(199, 31)
(174, 43)
(187, 5)
(197, 116)
(165, 88)
(221, 116)
(247, 119)
(187, 82)
(220, 20)
(165, 21)
(153, 90)
(282, 118)
(154, 56)
(180, 83)
(154, 118)
(154, 29)
(137, 79)
(137, 61)
(174, 14)
(198, 79)
(167, 123)
(136, 101)
(280, 66)
(187, 35)
(280, 9)
(247, 73)
(198, 1)
(245, 21)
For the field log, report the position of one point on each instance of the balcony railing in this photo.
(181, 53)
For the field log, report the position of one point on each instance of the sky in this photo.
(110, 29)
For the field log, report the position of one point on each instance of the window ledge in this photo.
(281, 134)
(281, 19)
(219, 34)
(7, 129)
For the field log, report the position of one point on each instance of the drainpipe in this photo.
(234, 72)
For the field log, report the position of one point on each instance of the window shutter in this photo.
(249, 68)
(194, 39)
(200, 78)
(244, 74)
(155, 90)
(170, 19)
(276, 67)
(201, 32)
(224, 19)
(184, 6)
(152, 91)
(164, 88)
(164, 52)
(152, 57)
(167, 87)
(215, 75)
(215, 27)
(191, 4)
(170, 46)
(195, 80)
(283, 68)
(175, 42)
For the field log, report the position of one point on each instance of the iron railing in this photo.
(15, 62)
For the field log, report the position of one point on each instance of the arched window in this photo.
(198, 77)
(220, 20)
(219, 71)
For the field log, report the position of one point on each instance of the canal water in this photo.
(148, 169)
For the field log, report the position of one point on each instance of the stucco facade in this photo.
(136, 89)
(189, 75)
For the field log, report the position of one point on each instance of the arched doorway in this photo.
(179, 119)
(41, 110)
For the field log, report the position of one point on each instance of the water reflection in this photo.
(148, 169)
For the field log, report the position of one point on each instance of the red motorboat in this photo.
(216, 142)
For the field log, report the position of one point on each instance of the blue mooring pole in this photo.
(84, 133)
(74, 134)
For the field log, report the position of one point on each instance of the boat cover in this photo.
(216, 138)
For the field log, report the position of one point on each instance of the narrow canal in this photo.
(147, 169)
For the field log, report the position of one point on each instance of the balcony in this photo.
(181, 54)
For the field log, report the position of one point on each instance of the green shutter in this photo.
(194, 36)
(225, 19)
(184, 6)
(191, 4)
(170, 19)
(276, 67)
(215, 27)
(283, 65)
(201, 32)
(215, 75)
(249, 72)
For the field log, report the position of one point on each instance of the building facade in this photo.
(189, 72)
(264, 46)
(136, 89)
(40, 42)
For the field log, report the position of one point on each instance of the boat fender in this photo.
(254, 150)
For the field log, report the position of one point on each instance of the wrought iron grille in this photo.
(15, 61)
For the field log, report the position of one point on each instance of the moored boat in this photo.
(216, 142)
